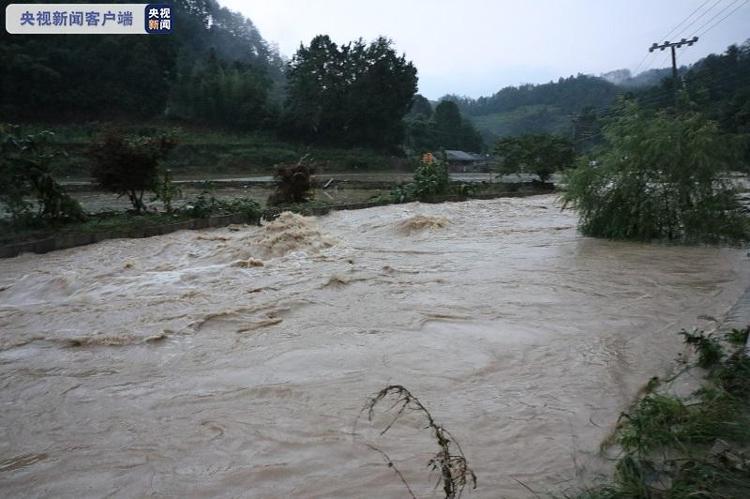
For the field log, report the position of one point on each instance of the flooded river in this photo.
(234, 362)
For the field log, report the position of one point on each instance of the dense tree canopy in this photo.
(224, 95)
(447, 129)
(134, 77)
(420, 108)
(353, 94)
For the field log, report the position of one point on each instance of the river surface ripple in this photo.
(234, 362)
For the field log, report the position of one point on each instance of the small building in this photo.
(461, 161)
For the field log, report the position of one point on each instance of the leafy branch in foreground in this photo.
(454, 470)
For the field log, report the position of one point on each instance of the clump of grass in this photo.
(706, 345)
(734, 376)
(675, 449)
(652, 423)
(738, 336)
(455, 472)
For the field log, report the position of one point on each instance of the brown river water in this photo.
(234, 362)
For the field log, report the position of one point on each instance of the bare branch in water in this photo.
(455, 472)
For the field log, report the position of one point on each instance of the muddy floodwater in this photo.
(234, 362)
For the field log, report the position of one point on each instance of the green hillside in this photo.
(525, 119)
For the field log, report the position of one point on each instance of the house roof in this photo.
(460, 156)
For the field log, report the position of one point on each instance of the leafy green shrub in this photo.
(738, 336)
(659, 177)
(129, 164)
(25, 173)
(540, 154)
(207, 205)
(431, 179)
(677, 449)
(204, 205)
(166, 190)
(247, 207)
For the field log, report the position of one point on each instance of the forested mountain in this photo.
(214, 70)
(719, 87)
(567, 94)
(133, 77)
(717, 84)
(548, 108)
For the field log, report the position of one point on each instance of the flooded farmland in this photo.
(234, 362)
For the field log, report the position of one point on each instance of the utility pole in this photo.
(673, 46)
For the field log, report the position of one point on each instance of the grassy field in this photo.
(211, 151)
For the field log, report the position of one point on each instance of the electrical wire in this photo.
(723, 18)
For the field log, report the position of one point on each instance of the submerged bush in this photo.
(659, 177)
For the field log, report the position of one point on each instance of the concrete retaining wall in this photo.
(65, 240)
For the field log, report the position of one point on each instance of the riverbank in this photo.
(121, 225)
(689, 436)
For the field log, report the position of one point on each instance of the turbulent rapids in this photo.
(234, 362)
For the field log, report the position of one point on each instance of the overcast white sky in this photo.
(476, 47)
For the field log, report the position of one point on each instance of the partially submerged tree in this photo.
(540, 154)
(659, 176)
(128, 164)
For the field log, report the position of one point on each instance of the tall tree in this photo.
(420, 108)
(353, 94)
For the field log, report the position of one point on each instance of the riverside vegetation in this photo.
(689, 448)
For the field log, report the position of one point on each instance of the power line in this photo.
(723, 18)
(699, 17)
(688, 17)
(664, 37)
(720, 12)
(667, 43)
